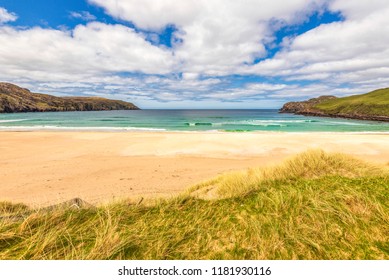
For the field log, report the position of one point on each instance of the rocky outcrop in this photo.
(15, 99)
(305, 107)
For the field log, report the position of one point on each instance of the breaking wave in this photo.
(90, 128)
(10, 121)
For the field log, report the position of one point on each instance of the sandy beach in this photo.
(42, 168)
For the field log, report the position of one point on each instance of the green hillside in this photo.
(370, 106)
(375, 103)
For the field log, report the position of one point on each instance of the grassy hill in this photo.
(370, 106)
(375, 103)
(16, 99)
(314, 206)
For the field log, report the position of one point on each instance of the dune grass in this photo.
(309, 165)
(314, 206)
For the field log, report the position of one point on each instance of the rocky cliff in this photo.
(305, 107)
(15, 99)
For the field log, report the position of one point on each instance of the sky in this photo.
(208, 54)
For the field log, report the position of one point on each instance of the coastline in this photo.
(163, 130)
(340, 116)
(41, 168)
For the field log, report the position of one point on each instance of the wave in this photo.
(199, 124)
(277, 123)
(105, 120)
(346, 123)
(89, 128)
(252, 123)
(298, 121)
(10, 121)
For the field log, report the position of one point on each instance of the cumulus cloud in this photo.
(216, 36)
(6, 16)
(87, 50)
(339, 52)
(213, 41)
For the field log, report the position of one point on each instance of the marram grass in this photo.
(314, 206)
(309, 165)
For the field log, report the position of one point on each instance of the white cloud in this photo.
(256, 91)
(192, 84)
(265, 87)
(6, 16)
(353, 51)
(217, 36)
(88, 50)
(355, 10)
(217, 39)
(153, 14)
(84, 15)
(190, 76)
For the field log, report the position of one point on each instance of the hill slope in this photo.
(15, 99)
(370, 106)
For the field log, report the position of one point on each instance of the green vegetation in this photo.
(375, 103)
(372, 106)
(314, 206)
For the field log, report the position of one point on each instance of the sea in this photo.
(185, 120)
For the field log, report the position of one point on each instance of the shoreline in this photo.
(162, 130)
(41, 168)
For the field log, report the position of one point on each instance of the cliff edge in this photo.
(370, 106)
(14, 99)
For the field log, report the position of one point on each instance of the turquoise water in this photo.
(184, 120)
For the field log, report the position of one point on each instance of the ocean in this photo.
(184, 120)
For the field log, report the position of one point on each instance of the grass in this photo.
(314, 206)
(309, 165)
(375, 103)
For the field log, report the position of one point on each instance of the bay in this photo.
(185, 120)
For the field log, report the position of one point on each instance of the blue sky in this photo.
(196, 54)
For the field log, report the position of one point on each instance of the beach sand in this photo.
(42, 168)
